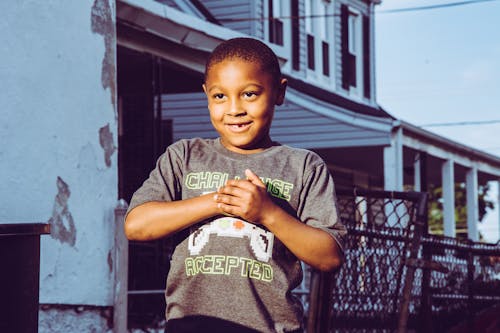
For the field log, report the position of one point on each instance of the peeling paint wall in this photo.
(76, 318)
(58, 154)
(106, 140)
(103, 24)
(62, 225)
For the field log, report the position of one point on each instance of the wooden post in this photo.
(412, 263)
(121, 270)
(320, 302)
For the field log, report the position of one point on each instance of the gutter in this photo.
(435, 139)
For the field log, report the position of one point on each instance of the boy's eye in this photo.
(250, 94)
(218, 96)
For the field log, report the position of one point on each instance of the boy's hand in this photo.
(247, 199)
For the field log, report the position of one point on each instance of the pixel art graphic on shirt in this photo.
(261, 241)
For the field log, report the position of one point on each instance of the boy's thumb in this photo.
(252, 177)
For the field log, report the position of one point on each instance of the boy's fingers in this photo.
(227, 199)
(227, 209)
(236, 190)
(254, 178)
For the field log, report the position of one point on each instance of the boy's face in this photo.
(241, 99)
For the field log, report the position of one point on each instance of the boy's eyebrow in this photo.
(212, 88)
(245, 87)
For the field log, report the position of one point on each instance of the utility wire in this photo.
(276, 18)
(388, 11)
(463, 123)
(444, 5)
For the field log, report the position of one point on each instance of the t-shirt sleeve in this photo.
(318, 206)
(164, 181)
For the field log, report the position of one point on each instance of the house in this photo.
(93, 92)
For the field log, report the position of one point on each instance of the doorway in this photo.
(145, 131)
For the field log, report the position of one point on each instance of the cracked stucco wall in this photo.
(58, 134)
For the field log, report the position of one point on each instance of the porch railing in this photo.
(397, 277)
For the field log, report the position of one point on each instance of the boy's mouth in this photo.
(238, 127)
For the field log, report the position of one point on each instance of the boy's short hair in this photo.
(248, 49)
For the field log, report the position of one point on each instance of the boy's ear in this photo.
(280, 94)
(204, 88)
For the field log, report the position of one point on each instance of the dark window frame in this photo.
(366, 57)
(295, 35)
(310, 52)
(275, 26)
(344, 30)
(325, 50)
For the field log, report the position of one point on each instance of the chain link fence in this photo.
(397, 277)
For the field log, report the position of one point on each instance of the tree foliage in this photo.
(436, 208)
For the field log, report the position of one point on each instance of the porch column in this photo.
(448, 184)
(472, 204)
(393, 178)
(393, 163)
(498, 208)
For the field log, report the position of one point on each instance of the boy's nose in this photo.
(235, 109)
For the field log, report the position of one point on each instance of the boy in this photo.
(244, 209)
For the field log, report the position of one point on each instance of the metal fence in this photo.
(465, 293)
(397, 277)
(367, 292)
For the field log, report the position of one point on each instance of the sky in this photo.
(442, 65)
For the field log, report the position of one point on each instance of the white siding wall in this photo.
(338, 46)
(238, 10)
(169, 3)
(189, 114)
(258, 11)
(58, 123)
(292, 125)
(295, 126)
(303, 40)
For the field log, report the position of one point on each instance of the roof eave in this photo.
(178, 27)
(430, 137)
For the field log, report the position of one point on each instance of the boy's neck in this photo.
(261, 146)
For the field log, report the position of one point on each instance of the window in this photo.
(355, 52)
(319, 27)
(275, 22)
(324, 36)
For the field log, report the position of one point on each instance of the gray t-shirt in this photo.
(229, 268)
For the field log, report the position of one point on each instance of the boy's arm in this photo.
(313, 246)
(249, 200)
(155, 219)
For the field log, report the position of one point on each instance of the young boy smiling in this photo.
(244, 209)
